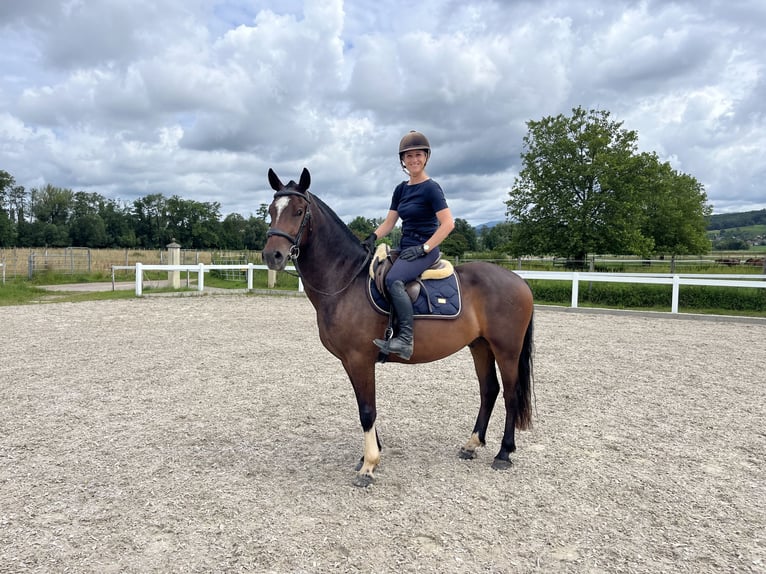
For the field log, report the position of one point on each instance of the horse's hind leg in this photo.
(515, 366)
(489, 387)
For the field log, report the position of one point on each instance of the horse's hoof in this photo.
(363, 480)
(500, 464)
(466, 454)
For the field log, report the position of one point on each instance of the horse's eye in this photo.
(299, 212)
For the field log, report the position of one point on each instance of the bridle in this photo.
(295, 249)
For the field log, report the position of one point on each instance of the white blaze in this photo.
(280, 205)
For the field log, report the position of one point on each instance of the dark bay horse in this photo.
(495, 321)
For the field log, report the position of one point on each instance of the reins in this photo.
(295, 249)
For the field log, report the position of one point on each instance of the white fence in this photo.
(200, 269)
(676, 280)
(575, 277)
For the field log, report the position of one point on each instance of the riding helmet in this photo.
(414, 140)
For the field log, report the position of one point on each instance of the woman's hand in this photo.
(412, 253)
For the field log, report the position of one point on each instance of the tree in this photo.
(577, 192)
(88, 231)
(233, 232)
(255, 233)
(362, 227)
(7, 227)
(52, 205)
(462, 227)
(7, 230)
(120, 225)
(498, 237)
(150, 220)
(676, 212)
(192, 223)
(86, 227)
(583, 189)
(462, 239)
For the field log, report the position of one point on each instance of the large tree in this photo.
(584, 189)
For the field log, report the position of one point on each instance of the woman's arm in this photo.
(388, 224)
(446, 225)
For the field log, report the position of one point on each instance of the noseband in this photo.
(295, 250)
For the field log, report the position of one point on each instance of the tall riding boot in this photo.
(400, 302)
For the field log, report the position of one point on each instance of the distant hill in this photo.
(731, 220)
(489, 225)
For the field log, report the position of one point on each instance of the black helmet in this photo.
(414, 140)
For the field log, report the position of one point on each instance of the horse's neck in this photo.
(330, 262)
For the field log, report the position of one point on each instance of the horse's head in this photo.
(290, 213)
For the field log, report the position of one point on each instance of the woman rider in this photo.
(426, 222)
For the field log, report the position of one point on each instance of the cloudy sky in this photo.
(199, 98)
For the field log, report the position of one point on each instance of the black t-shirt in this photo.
(417, 206)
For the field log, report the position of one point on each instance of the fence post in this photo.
(139, 279)
(249, 276)
(201, 277)
(174, 258)
(575, 288)
(676, 289)
(272, 278)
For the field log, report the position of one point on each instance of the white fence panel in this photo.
(676, 280)
(200, 269)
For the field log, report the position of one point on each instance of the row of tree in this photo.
(584, 188)
(57, 217)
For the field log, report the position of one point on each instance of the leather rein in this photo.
(295, 249)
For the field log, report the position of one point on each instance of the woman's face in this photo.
(415, 160)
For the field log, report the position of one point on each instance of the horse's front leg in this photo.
(362, 375)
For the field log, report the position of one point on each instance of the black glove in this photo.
(412, 253)
(369, 243)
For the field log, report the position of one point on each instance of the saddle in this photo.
(383, 259)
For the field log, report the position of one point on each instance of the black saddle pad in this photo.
(438, 299)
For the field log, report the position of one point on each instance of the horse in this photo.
(495, 319)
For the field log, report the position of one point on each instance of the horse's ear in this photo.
(276, 184)
(305, 182)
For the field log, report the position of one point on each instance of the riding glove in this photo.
(412, 253)
(369, 243)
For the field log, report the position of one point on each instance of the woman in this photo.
(426, 222)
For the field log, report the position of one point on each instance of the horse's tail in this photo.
(524, 390)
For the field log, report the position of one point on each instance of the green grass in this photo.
(18, 292)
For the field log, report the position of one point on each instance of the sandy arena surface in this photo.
(216, 434)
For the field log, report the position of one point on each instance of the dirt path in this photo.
(215, 434)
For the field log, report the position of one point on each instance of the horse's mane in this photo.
(346, 236)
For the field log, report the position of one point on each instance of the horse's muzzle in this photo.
(275, 259)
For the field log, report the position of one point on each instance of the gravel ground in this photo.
(216, 434)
